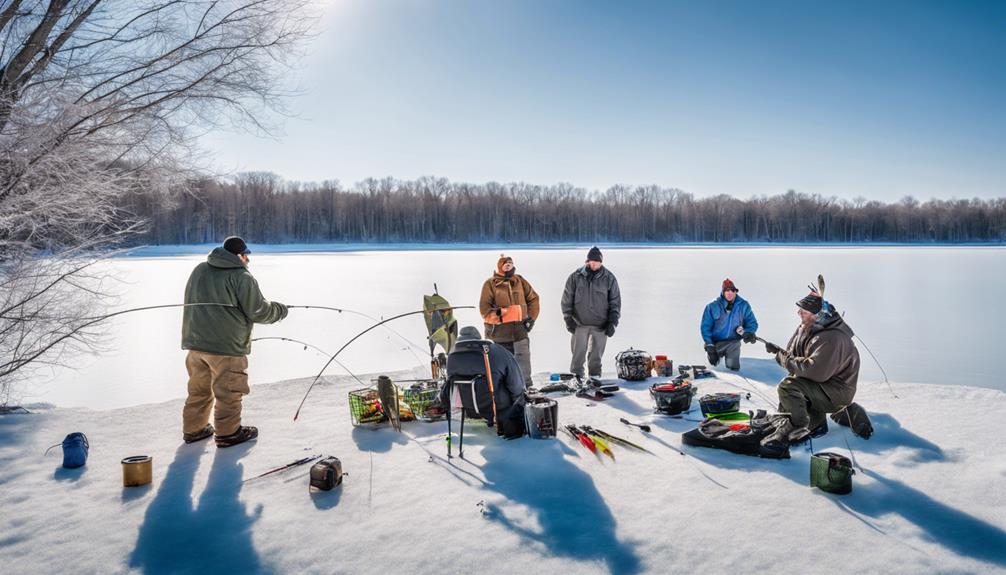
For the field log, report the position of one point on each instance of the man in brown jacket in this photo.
(509, 307)
(823, 366)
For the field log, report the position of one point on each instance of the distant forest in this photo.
(265, 209)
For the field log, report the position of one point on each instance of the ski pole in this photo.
(642, 426)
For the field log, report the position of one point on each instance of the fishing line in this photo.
(89, 321)
(412, 344)
(316, 348)
(887, 381)
(359, 335)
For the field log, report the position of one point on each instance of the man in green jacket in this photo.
(218, 338)
(823, 366)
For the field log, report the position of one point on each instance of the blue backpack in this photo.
(75, 448)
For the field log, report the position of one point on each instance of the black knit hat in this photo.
(594, 255)
(811, 302)
(236, 246)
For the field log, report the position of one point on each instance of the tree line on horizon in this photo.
(265, 209)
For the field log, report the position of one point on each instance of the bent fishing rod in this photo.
(6, 369)
(358, 336)
(315, 348)
(408, 342)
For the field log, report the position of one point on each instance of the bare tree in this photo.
(102, 98)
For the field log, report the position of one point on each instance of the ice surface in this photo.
(929, 314)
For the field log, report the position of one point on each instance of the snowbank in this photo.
(929, 499)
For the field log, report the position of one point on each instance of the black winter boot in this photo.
(199, 435)
(855, 416)
(243, 434)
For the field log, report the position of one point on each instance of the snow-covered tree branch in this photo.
(102, 98)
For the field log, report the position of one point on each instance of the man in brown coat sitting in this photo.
(509, 307)
(823, 366)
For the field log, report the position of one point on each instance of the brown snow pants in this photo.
(212, 376)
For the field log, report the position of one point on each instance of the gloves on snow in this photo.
(570, 324)
(748, 337)
(528, 324)
(609, 329)
(772, 348)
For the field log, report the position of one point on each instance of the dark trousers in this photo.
(809, 402)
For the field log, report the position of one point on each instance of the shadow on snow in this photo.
(179, 537)
(955, 530)
(573, 519)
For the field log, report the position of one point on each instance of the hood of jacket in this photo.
(829, 319)
(223, 259)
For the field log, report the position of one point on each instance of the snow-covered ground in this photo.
(929, 498)
(920, 310)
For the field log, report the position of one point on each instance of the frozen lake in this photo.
(929, 314)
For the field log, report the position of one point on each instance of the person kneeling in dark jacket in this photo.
(467, 361)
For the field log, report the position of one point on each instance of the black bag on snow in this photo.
(673, 398)
(736, 438)
(633, 364)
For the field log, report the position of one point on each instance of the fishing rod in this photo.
(358, 336)
(740, 332)
(88, 322)
(314, 347)
(411, 343)
(290, 465)
(887, 381)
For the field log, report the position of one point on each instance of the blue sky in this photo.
(873, 99)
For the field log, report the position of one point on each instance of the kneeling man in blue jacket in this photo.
(720, 321)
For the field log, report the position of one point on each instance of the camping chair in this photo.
(476, 397)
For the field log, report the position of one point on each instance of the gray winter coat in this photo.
(592, 298)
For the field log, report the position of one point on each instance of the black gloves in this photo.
(772, 348)
(499, 313)
(570, 323)
(748, 337)
(528, 324)
(609, 329)
(711, 354)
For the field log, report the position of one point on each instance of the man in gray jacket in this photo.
(591, 308)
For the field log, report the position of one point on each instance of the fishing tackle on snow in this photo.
(673, 398)
(641, 426)
(831, 472)
(326, 474)
(290, 465)
(663, 367)
(716, 404)
(541, 417)
(633, 364)
(75, 449)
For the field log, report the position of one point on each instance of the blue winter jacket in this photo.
(720, 325)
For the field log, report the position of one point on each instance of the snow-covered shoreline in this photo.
(335, 247)
(926, 501)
